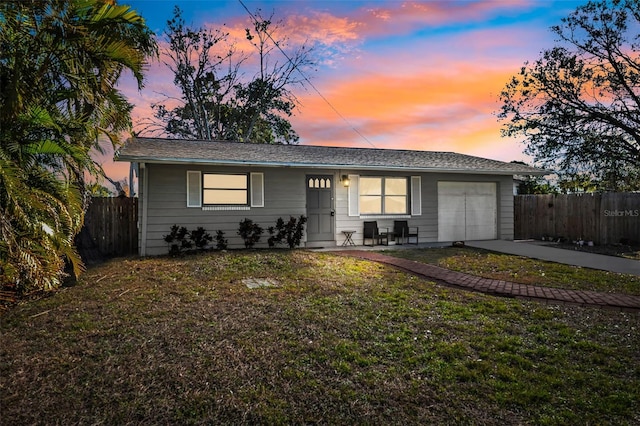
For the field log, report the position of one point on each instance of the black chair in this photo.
(375, 234)
(403, 232)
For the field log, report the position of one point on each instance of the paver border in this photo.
(546, 295)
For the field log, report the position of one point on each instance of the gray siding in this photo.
(427, 222)
(163, 189)
(505, 208)
(284, 191)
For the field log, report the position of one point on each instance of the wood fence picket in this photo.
(110, 227)
(604, 218)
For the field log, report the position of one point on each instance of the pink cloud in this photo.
(404, 17)
(325, 27)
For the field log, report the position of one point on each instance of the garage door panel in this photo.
(480, 203)
(483, 189)
(481, 217)
(478, 232)
(452, 205)
(450, 216)
(480, 224)
(451, 188)
(449, 223)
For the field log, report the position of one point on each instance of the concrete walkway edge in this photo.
(613, 301)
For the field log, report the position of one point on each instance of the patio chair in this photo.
(375, 234)
(403, 232)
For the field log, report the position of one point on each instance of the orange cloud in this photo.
(436, 109)
(378, 95)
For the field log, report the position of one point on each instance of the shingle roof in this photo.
(182, 151)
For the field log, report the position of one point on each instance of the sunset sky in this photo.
(406, 75)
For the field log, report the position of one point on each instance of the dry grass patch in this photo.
(339, 341)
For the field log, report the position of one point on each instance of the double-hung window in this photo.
(384, 195)
(225, 189)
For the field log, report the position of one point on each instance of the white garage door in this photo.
(467, 211)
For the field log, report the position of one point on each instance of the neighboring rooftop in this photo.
(183, 151)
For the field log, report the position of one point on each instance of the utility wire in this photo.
(255, 20)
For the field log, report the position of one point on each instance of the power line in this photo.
(255, 20)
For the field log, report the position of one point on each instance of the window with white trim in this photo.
(225, 189)
(383, 195)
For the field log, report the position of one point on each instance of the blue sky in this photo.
(406, 75)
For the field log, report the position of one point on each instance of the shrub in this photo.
(279, 235)
(178, 240)
(250, 232)
(291, 232)
(221, 241)
(200, 237)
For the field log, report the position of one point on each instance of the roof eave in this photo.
(199, 161)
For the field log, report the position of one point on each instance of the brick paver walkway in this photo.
(613, 301)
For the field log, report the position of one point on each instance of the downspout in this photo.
(144, 198)
(133, 168)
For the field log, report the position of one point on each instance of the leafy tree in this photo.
(535, 185)
(216, 103)
(267, 97)
(195, 57)
(577, 182)
(97, 190)
(578, 105)
(620, 178)
(59, 63)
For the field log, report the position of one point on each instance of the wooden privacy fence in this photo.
(603, 218)
(110, 228)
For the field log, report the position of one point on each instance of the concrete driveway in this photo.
(568, 257)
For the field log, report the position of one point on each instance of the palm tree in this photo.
(59, 63)
(40, 217)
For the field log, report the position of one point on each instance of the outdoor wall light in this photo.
(345, 181)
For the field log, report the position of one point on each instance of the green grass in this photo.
(338, 341)
(522, 270)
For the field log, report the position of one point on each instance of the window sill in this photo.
(385, 216)
(225, 208)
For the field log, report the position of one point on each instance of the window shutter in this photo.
(354, 196)
(194, 189)
(257, 189)
(416, 196)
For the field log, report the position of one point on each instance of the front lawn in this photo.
(523, 270)
(336, 341)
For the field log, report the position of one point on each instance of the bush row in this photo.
(180, 239)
